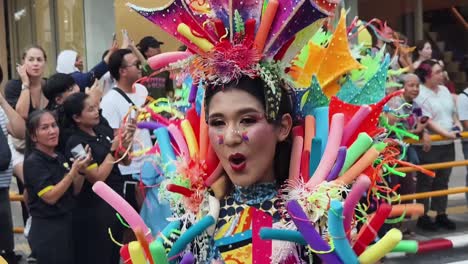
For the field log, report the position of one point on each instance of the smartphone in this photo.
(457, 131)
(133, 115)
(114, 37)
(423, 119)
(78, 152)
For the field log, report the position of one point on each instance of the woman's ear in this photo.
(59, 100)
(284, 127)
(76, 118)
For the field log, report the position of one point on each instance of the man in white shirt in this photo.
(462, 107)
(124, 67)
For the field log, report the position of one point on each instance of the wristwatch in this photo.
(24, 87)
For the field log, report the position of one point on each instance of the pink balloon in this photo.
(331, 151)
(122, 207)
(179, 139)
(162, 60)
(354, 123)
(359, 187)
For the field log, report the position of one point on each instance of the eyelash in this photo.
(216, 123)
(245, 121)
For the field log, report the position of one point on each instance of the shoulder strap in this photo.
(124, 95)
(465, 93)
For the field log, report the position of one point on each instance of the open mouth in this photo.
(237, 161)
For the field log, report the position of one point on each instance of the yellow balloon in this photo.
(202, 43)
(382, 247)
(136, 253)
(190, 138)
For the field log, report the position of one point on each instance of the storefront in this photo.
(87, 26)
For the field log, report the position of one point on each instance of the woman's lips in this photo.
(237, 162)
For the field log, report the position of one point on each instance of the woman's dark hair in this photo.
(419, 47)
(32, 124)
(34, 46)
(255, 87)
(424, 71)
(73, 106)
(56, 85)
(1, 74)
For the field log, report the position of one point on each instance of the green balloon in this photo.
(158, 252)
(362, 143)
(406, 246)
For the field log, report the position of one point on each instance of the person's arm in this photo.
(96, 72)
(100, 172)
(24, 100)
(436, 128)
(137, 53)
(16, 124)
(22, 106)
(462, 107)
(127, 142)
(38, 177)
(420, 127)
(5, 153)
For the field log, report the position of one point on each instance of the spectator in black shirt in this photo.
(59, 87)
(51, 184)
(93, 216)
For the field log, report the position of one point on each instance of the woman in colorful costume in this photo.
(241, 62)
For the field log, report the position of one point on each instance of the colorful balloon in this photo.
(381, 248)
(162, 60)
(122, 207)
(337, 233)
(136, 253)
(362, 143)
(311, 235)
(331, 151)
(340, 159)
(359, 188)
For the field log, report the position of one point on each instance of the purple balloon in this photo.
(193, 93)
(188, 259)
(340, 159)
(309, 233)
(149, 125)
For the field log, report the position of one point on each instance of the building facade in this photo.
(87, 26)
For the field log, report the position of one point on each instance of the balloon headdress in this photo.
(232, 39)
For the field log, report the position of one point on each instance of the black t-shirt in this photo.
(42, 172)
(100, 146)
(13, 92)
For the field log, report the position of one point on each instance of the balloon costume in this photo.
(340, 156)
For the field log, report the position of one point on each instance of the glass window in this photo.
(54, 25)
(43, 31)
(70, 26)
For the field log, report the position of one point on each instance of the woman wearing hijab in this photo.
(70, 62)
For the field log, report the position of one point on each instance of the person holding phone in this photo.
(93, 216)
(70, 62)
(51, 183)
(405, 111)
